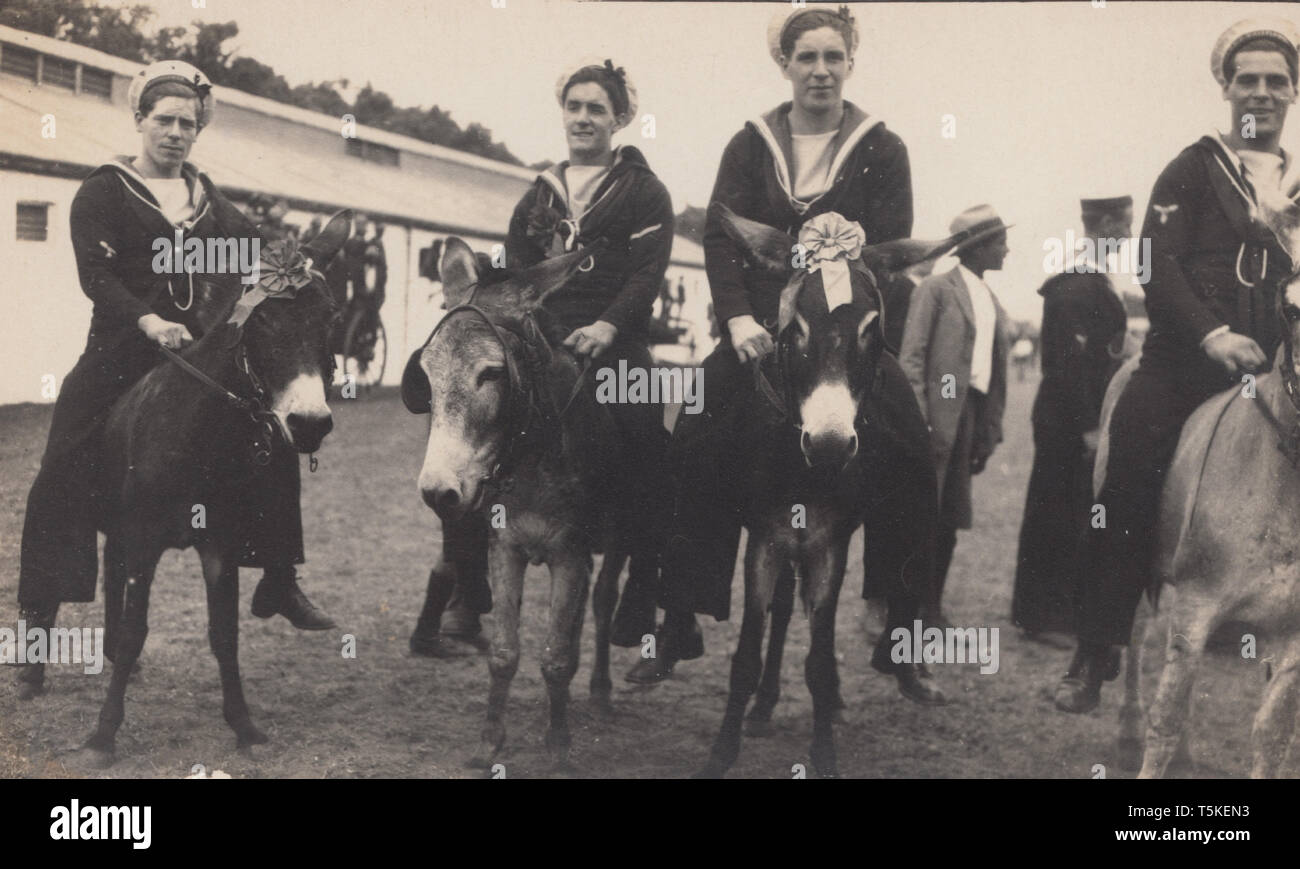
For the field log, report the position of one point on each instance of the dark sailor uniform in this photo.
(115, 220)
(870, 183)
(1212, 266)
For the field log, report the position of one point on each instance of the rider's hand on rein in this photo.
(1235, 352)
(171, 335)
(592, 340)
(749, 339)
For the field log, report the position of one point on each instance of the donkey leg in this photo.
(221, 579)
(759, 719)
(570, 574)
(1190, 622)
(506, 567)
(603, 598)
(1129, 745)
(824, 573)
(134, 627)
(114, 588)
(1276, 719)
(762, 568)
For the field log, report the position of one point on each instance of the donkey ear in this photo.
(762, 245)
(547, 276)
(459, 270)
(327, 243)
(865, 328)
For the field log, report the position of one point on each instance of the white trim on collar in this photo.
(783, 171)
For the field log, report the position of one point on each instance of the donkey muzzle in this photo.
(828, 449)
(307, 430)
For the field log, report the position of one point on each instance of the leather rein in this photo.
(523, 407)
(254, 406)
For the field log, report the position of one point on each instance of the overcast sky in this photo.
(1052, 101)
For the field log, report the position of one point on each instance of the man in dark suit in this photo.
(1083, 331)
(955, 356)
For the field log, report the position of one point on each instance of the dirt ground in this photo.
(370, 542)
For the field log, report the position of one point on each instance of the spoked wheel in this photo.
(365, 350)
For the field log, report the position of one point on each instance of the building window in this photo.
(373, 152)
(33, 221)
(18, 61)
(96, 82)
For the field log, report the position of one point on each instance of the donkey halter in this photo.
(522, 407)
(256, 405)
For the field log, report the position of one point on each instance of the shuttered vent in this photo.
(33, 221)
(59, 73)
(96, 82)
(18, 61)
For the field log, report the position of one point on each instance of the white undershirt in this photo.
(1263, 170)
(173, 196)
(811, 154)
(986, 321)
(582, 183)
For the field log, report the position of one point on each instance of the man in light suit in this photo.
(954, 352)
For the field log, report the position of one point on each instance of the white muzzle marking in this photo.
(829, 410)
(304, 396)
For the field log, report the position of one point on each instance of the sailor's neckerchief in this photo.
(607, 201)
(135, 183)
(1237, 196)
(774, 129)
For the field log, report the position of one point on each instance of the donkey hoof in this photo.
(100, 751)
(602, 707)
(825, 764)
(247, 735)
(557, 745)
(30, 690)
(1130, 754)
(713, 769)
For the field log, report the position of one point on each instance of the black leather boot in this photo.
(1080, 690)
(915, 682)
(31, 677)
(678, 639)
(278, 593)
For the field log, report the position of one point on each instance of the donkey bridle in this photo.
(1288, 443)
(518, 417)
(254, 406)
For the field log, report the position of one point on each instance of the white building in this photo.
(63, 111)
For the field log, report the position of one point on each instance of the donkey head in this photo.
(286, 323)
(468, 378)
(829, 324)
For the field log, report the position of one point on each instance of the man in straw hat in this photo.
(955, 355)
(1210, 298)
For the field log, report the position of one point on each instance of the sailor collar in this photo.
(774, 129)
